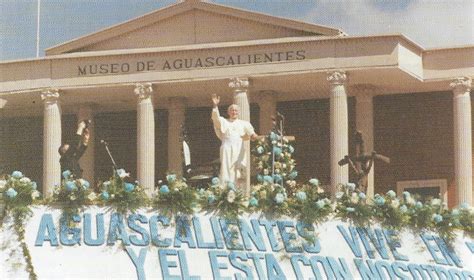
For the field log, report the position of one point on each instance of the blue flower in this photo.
(260, 150)
(350, 209)
(230, 185)
(273, 136)
(403, 209)
(215, 181)
(301, 196)
(105, 195)
(379, 200)
(164, 189)
(351, 186)
(34, 186)
(259, 178)
(406, 194)
(320, 204)
(211, 199)
(71, 185)
(279, 198)
(291, 149)
(293, 175)
(464, 205)
(129, 187)
(66, 174)
(314, 182)
(277, 151)
(11, 193)
(171, 178)
(268, 179)
(17, 174)
(362, 195)
(391, 194)
(253, 202)
(419, 204)
(437, 218)
(277, 179)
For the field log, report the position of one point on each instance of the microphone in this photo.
(102, 141)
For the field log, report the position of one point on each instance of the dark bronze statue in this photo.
(361, 163)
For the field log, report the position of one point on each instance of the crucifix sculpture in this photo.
(362, 163)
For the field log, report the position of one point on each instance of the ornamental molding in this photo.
(461, 85)
(50, 96)
(143, 90)
(337, 77)
(239, 84)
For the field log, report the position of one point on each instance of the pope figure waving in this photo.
(232, 132)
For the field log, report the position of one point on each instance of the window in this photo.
(437, 188)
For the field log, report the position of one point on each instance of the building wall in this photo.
(416, 132)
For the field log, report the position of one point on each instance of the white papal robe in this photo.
(232, 152)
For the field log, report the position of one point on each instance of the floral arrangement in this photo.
(270, 199)
(389, 211)
(72, 195)
(222, 199)
(311, 204)
(352, 205)
(19, 193)
(175, 197)
(120, 195)
(273, 149)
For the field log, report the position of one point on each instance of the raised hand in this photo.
(215, 100)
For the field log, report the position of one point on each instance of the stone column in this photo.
(176, 116)
(51, 141)
(338, 128)
(145, 137)
(267, 104)
(365, 124)
(462, 139)
(87, 159)
(240, 88)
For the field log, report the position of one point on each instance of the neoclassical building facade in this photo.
(142, 81)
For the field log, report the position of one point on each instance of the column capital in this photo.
(50, 96)
(363, 91)
(239, 83)
(143, 90)
(337, 77)
(177, 103)
(461, 84)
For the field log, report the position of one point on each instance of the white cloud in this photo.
(434, 23)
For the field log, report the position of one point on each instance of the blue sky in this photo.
(430, 23)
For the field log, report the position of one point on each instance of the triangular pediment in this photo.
(192, 22)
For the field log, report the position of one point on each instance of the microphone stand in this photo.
(114, 166)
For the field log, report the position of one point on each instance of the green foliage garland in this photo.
(222, 199)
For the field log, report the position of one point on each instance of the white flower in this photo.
(112, 195)
(354, 198)
(395, 203)
(265, 171)
(230, 196)
(92, 196)
(2, 184)
(106, 184)
(35, 194)
(277, 171)
(339, 195)
(283, 165)
(411, 201)
(25, 180)
(72, 197)
(122, 173)
(436, 202)
(320, 190)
